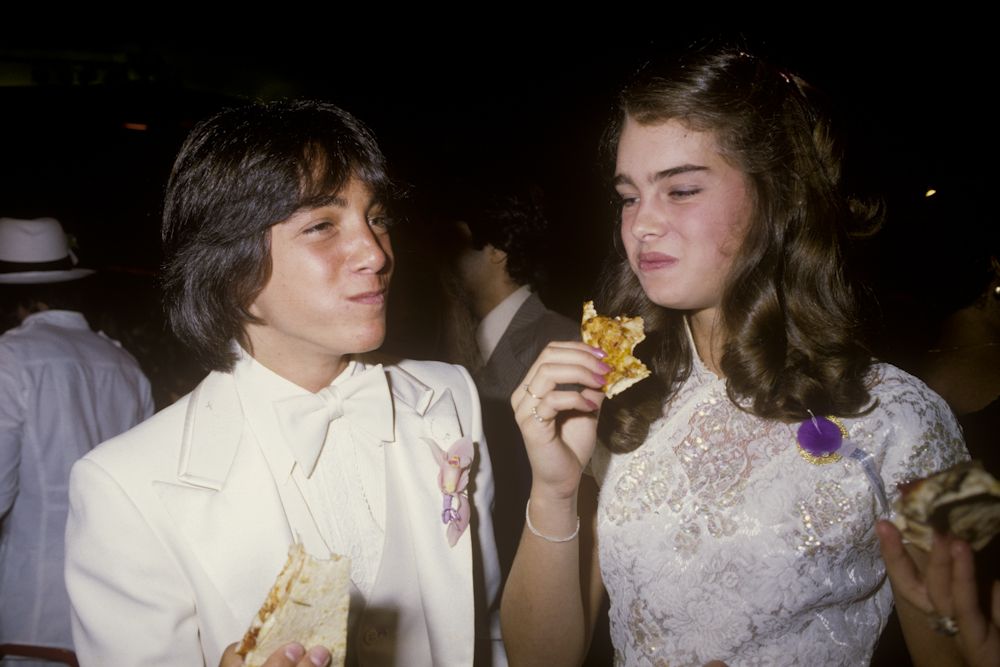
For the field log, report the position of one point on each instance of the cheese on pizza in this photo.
(618, 337)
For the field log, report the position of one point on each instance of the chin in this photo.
(369, 341)
(663, 300)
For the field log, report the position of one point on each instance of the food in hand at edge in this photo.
(618, 337)
(963, 500)
(308, 604)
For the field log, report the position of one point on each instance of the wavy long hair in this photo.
(789, 314)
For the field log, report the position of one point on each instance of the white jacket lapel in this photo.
(445, 572)
(225, 502)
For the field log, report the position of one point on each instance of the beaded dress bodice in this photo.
(718, 541)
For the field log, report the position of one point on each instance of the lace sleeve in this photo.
(924, 435)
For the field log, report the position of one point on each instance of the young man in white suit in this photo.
(278, 265)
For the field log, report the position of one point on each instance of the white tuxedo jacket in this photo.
(178, 528)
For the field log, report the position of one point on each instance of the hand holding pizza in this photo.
(946, 590)
(945, 517)
(556, 408)
(557, 404)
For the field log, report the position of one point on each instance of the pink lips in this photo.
(376, 298)
(651, 261)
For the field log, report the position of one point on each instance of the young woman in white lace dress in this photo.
(739, 486)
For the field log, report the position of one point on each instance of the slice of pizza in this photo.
(618, 337)
(308, 604)
(963, 501)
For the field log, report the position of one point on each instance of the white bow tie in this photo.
(363, 398)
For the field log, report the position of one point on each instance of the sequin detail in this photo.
(718, 543)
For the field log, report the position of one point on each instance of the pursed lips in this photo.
(651, 261)
(372, 298)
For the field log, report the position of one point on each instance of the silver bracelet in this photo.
(534, 531)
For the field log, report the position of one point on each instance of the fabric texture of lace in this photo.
(719, 542)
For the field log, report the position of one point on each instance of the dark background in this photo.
(90, 125)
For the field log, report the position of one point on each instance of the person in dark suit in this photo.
(500, 267)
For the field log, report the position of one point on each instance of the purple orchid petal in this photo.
(460, 522)
(454, 474)
(436, 452)
(450, 476)
(453, 479)
(463, 449)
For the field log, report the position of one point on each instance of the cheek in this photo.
(464, 265)
(624, 239)
(386, 244)
(730, 240)
(725, 237)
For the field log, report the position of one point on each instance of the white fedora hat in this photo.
(35, 252)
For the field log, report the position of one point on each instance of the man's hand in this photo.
(289, 655)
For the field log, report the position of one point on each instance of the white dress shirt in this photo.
(492, 327)
(63, 390)
(346, 491)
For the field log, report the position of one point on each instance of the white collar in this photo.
(259, 388)
(492, 328)
(218, 411)
(68, 319)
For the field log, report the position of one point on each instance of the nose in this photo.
(371, 251)
(646, 220)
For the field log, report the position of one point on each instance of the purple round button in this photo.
(819, 436)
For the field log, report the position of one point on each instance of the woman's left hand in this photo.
(946, 591)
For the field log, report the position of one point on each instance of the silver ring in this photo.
(944, 625)
(538, 418)
(531, 393)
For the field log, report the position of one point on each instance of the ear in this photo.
(495, 255)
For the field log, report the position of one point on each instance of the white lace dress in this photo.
(718, 541)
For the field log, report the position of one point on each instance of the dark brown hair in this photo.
(239, 173)
(788, 311)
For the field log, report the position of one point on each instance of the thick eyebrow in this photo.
(332, 200)
(622, 179)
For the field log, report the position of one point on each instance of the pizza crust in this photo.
(617, 337)
(963, 500)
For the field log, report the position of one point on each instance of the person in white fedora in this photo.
(63, 389)
(278, 260)
(36, 252)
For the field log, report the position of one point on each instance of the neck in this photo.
(491, 294)
(311, 371)
(709, 341)
(35, 307)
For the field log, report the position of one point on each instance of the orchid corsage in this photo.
(453, 478)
